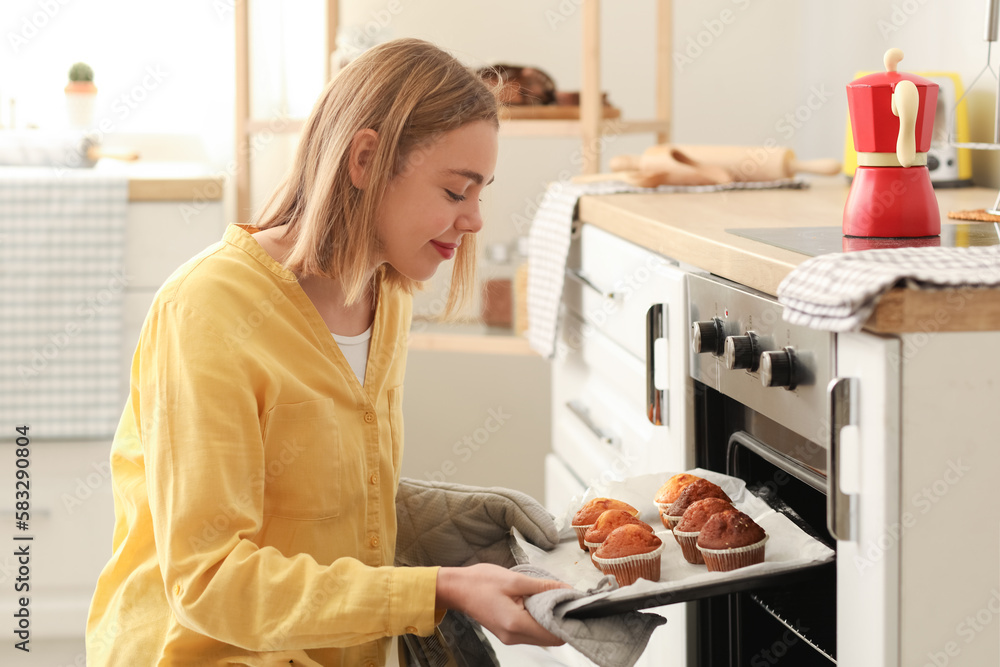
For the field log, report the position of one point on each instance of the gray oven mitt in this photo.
(439, 523)
(609, 641)
(452, 525)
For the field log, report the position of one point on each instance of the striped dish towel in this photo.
(549, 238)
(838, 292)
(62, 280)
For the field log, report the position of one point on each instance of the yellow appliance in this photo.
(948, 166)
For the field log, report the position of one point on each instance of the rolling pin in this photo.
(672, 167)
(744, 163)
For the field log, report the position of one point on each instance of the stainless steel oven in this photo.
(760, 389)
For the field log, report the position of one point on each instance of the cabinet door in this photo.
(950, 537)
(868, 554)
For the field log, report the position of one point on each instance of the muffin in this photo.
(669, 492)
(730, 540)
(686, 532)
(693, 492)
(587, 515)
(630, 552)
(606, 523)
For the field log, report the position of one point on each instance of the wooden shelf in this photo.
(574, 128)
(468, 338)
(550, 112)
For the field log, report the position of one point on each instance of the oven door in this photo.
(794, 623)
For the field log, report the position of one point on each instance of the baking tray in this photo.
(792, 552)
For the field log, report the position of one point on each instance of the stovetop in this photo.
(814, 241)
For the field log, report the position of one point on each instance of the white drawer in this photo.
(607, 363)
(611, 284)
(599, 404)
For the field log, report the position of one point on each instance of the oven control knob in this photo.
(777, 368)
(707, 336)
(741, 352)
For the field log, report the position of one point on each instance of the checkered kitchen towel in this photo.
(549, 238)
(62, 243)
(838, 292)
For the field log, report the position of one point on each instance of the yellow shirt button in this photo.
(410, 630)
(374, 541)
(369, 417)
(177, 589)
(374, 478)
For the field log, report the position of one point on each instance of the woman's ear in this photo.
(362, 150)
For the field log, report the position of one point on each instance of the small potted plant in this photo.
(80, 95)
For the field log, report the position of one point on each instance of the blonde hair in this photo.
(409, 92)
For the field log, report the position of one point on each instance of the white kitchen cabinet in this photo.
(918, 579)
(949, 463)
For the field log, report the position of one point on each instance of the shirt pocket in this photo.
(302, 466)
(396, 427)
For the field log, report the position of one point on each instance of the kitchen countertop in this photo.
(691, 228)
(167, 181)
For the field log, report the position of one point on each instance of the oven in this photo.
(761, 413)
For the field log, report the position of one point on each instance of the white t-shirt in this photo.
(355, 349)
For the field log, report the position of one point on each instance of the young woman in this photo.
(256, 463)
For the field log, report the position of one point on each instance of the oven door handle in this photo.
(582, 413)
(842, 393)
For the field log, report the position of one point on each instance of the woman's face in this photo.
(434, 201)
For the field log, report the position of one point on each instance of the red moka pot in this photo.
(892, 120)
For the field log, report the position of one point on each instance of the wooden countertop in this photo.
(691, 228)
(167, 181)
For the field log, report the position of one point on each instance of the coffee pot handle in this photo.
(905, 103)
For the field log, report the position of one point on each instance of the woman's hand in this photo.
(494, 596)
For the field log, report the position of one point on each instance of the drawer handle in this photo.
(578, 276)
(583, 414)
(655, 398)
(838, 504)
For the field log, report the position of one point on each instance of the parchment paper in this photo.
(788, 547)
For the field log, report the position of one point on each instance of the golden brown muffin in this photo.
(629, 553)
(669, 492)
(606, 523)
(588, 514)
(628, 541)
(730, 540)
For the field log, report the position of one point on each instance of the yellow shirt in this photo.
(254, 481)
